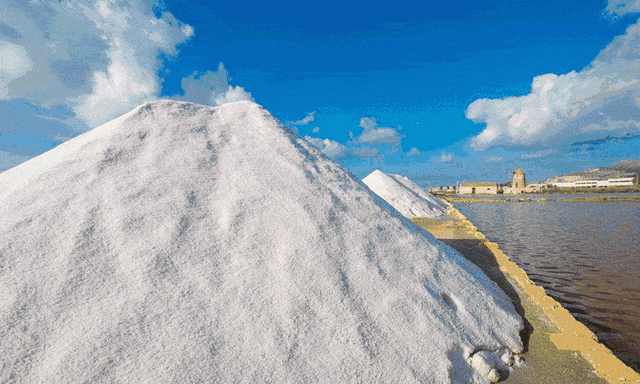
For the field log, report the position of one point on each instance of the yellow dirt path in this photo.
(558, 348)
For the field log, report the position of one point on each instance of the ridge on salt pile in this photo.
(184, 243)
(405, 196)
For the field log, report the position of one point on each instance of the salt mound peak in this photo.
(185, 243)
(404, 195)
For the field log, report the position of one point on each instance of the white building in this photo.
(621, 181)
(618, 182)
(590, 183)
(571, 184)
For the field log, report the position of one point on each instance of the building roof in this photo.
(479, 184)
(519, 171)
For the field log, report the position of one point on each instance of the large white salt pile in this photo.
(405, 196)
(182, 243)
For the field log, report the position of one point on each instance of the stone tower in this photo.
(518, 179)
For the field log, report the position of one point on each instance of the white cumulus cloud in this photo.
(365, 152)
(367, 123)
(379, 136)
(337, 151)
(306, 120)
(134, 38)
(494, 159)
(67, 66)
(622, 7)
(602, 98)
(101, 58)
(211, 88)
(375, 135)
(538, 154)
(446, 157)
(414, 152)
(333, 149)
(14, 63)
(232, 94)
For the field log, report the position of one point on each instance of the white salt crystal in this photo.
(184, 243)
(405, 196)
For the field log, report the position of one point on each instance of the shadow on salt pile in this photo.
(477, 253)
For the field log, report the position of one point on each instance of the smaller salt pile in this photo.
(404, 195)
(181, 243)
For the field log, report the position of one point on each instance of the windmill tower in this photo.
(518, 179)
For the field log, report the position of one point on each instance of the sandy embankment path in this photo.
(558, 349)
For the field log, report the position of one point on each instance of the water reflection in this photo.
(586, 255)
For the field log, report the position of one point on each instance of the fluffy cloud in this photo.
(377, 136)
(616, 140)
(337, 151)
(622, 7)
(367, 123)
(232, 94)
(603, 98)
(414, 152)
(446, 157)
(538, 154)
(494, 159)
(332, 149)
(101, 58)
(380, 136)
(211, 88)
(306, 120)
(14, 63)
(67, 66)
(365, 152)
(134, 38)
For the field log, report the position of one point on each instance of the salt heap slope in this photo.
(405, 196)
(184, 243)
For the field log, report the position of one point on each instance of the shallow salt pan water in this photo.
(586, 255)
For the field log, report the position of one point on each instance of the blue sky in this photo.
(439, 92)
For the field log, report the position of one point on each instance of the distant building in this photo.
(618, 182)
(442, 189)
(518, 179)
(518, 184)
(482, 188)
(562, 184)
(587, 183)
